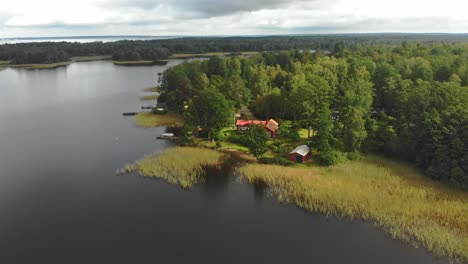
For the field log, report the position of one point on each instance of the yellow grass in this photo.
(56, 64)
(392, 195)
(149, 97)
(183, 166)
(151, 89)
(91, 58)
(42, 66)
(136, 63)
(149, 120)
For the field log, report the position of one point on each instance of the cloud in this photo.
(200, 8)
(222, 17)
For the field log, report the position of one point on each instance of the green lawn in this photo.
(226, 144)
(304, 133)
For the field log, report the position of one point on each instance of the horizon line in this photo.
(237, 35)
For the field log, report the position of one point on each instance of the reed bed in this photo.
(148, 120)
(391, 195)
(184, 166)
(149, 97)
(151, 89)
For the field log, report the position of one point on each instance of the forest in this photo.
(52, 52)
(408, 101)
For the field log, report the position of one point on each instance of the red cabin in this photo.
(271, 126)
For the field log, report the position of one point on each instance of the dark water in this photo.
(62, 137)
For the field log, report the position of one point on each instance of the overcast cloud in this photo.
(31, 18)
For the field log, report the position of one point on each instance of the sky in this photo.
(48, 18)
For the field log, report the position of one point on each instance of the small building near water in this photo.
(300, 154)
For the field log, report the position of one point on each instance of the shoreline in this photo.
(161, 62)
(391, 195)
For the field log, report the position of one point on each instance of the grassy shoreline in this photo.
(150, 120)
(394, 196)
(139, 63)
(38, 66)
(391, 195)
(55, 65)
(149, 97)
(169, 165)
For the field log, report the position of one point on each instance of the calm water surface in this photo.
(62, 137)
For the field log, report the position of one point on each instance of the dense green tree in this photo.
(257, 140)
(210, 110)
(355, 106)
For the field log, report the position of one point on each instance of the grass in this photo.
(226, 144)
(148, 120)
(134, 63)
(56, 64)
(149, 97)
(304, 133)
(390, 194)
(91, 58)
(184, 166)
(42, 66)
(151, 89)
(3, 64)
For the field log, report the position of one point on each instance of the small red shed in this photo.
(300, 154)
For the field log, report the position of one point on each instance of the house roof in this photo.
(249, 122)
(301, 150)
(272, 125)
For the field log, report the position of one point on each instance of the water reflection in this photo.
(62, 136)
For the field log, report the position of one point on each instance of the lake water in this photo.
(82, 39)
(62, 136)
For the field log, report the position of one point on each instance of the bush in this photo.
(289, 130)
(276, 160)
(353, 155)
(238, 139)
(332, 157)
(188, 140)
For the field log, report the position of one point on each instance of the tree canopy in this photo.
(408, 101)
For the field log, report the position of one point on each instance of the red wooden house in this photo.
(271, 126)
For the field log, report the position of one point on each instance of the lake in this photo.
(62, 136)
(81, 39)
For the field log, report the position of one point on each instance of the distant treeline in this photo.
(50, 52)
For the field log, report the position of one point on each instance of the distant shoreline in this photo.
(38, 66)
